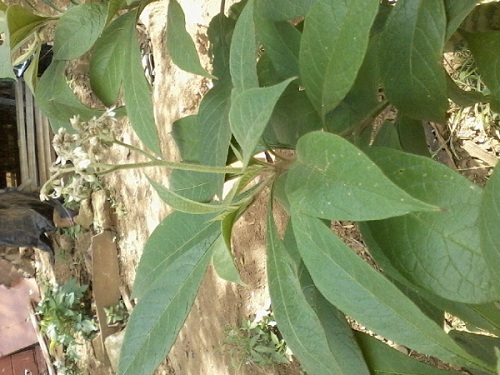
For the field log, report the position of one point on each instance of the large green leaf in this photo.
(364, 294)
(483, 316)
(412, 135)
(439, 251)
(22, 23)
(78, 29)
(489, 224)
(137, 94)
(332, 48)
(484, 46)
(456, 12)
(296, 319)
(412, 73)
(243, 55)
(223, 263)
(6, 68)
(158, 317)
(361, 104)
(113, 7)
(220, 31)
(281, 42)
(332, 179)
(107, 61)
(283, 10)
(249, 114)
(478, 345)
(180, 46)
(174, 236)
(384, 360)
(55, 98)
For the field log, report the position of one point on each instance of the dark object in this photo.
(44, 61)
(24, 220)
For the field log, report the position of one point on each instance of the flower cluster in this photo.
(78, 154)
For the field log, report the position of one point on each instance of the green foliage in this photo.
(63, 318)
(256, 342)
(310, 76)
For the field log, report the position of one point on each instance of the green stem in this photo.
(108, 168)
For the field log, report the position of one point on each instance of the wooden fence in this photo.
(34, 139)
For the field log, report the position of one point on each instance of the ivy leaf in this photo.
(332, 179)
(78, 29)
(439, 251)
(6, 68)
(372, 301)
(484, 47)
(175, 235)
(107, 61)
(489, 224)
(137, 94)
(55, 98)
(22, 23)
(243, 53)
(412, 73)
(333, 45)
(296, 319)
(158, 317)
(283, 10)
(249, 114)
(180, 46)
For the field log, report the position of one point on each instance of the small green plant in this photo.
(116, 315)
(73, 231)
(256, 342)
(64, 319)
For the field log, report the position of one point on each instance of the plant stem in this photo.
(107, 168)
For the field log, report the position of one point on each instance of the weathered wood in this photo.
(21, 131)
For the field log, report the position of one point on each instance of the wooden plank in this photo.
(41, 340)
(48, 150)
(24, 363)
(30, 137)
(6, 366)
(21, 130)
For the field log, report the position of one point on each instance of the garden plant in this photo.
(311, 76)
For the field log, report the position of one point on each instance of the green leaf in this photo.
(78, 29)
(412, 73)
(223, 263)
(243, 55)
(6, 68)
(332, 48)
(220, 31)
(332, 179)
(293, 117)
(361, 104)
(182, 204)
(113, 7)
(489, 223)
(478, 345)
(484, 47)
(384, 360)
(337, 330)
(55, 98)
(158, 317)
(283, 10)
(372, 300)
(22, 24)
(412, 135)
(107, 61)
(456, 12)
(296, 319)
(281, 42)
(464, 98)
(180, 46)
(439, 251)
(249, 114)
(175, 235)
(137, 95)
